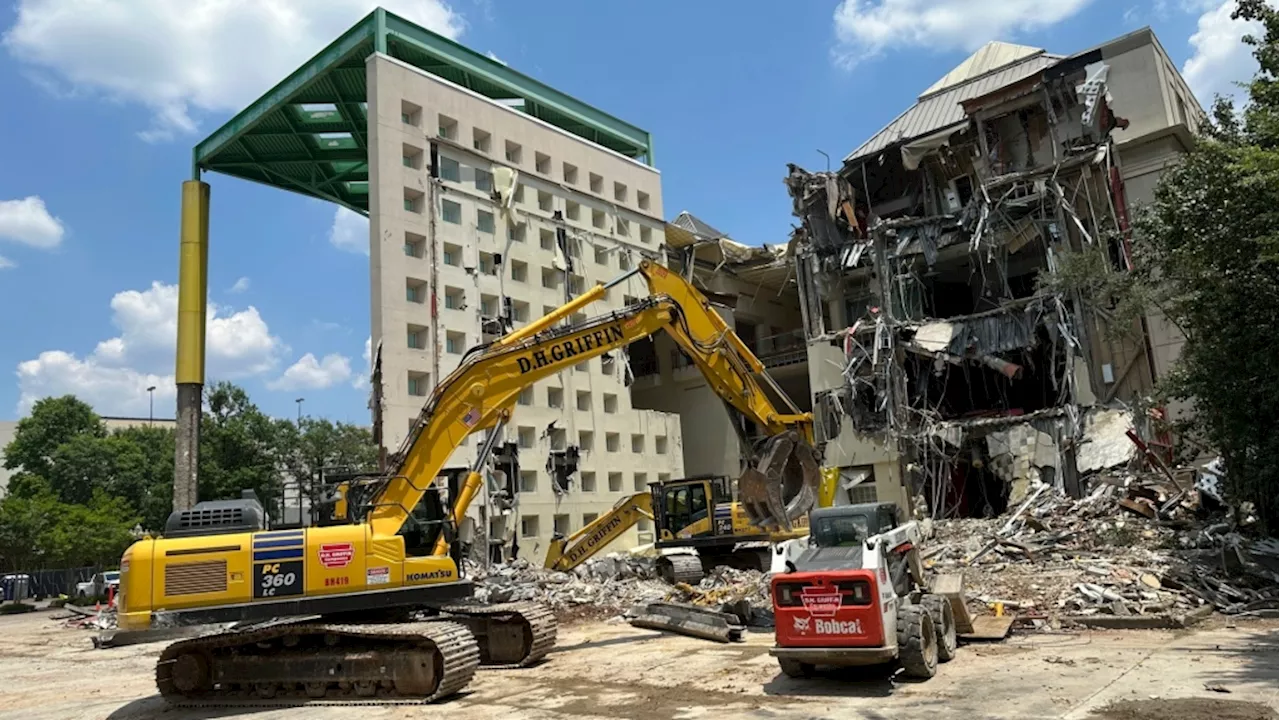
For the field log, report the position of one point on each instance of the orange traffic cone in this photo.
(111, 597)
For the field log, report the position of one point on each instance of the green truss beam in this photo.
(255, 144)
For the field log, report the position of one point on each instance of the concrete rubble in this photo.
(1132, 548)
(618, 583)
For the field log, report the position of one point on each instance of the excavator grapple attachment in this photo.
(689, 620)
(783, 485)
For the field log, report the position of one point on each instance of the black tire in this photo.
(795, 668)
(944, 622)
(917, 642)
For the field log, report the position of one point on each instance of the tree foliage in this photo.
(1205, 256)
(52, 422)
(78, 491)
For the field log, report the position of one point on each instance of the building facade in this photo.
(483, 218)
(943, 359)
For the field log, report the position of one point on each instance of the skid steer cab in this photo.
(856, 596)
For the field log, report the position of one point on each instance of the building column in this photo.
(193, 283)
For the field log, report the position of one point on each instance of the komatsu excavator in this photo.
(698, 525)
(326, 613)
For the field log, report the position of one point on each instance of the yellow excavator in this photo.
(697, 518)
(377, 609)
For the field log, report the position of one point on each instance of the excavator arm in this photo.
(568, 553)
(482, 392)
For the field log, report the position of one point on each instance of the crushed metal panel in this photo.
(935, 337)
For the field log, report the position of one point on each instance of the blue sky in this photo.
(102, 102)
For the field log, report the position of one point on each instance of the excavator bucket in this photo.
(783, 485)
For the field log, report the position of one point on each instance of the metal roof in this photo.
(697, 226)
(942, 109)
(992, 56)
(309, 134)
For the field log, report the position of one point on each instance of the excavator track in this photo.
(516, 634)
(680, 569)
(312, 663)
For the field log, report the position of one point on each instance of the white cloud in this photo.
(494, 57)
(361, 380)
(237, 344)
(6, 263)
(865, 28)
(310, 374)
(28, 221)
(110, 390)
(182, 58)
(241, 285)
(1220, 58)
(350, 231)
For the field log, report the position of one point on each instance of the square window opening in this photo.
(513, 152)
(447, 128)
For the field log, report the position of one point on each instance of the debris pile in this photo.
(618, 582)
(88, 618)
(1134, 546)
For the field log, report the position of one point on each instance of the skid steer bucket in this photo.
(783, 485)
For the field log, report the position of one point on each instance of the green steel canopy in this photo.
(309, 134)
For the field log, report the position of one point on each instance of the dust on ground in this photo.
(1185, 709)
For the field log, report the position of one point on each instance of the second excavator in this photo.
(377, 608)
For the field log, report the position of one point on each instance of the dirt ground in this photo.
(611, 670)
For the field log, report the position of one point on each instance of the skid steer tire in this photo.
(944, 623)
(917, 642)
(795, 668)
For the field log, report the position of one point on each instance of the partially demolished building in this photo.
(940, 361)
(753, 289)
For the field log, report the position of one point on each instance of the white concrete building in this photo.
(482, 214)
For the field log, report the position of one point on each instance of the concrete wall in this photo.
(851, 450)
(1146, 89)
(711, 444)
(458, 281)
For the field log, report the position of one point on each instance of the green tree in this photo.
(85, 464)
(52, 422)
(237, 447)
(306, 448)
(153, 498)
(96, 533)
(25, 522)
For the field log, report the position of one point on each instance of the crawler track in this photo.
(517, 634)
(681, 569)
(303, 663)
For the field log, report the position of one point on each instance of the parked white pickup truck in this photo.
(98, 584)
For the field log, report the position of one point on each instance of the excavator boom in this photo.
(482, 392)
(568, 553)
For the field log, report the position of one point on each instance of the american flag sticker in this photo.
(472, 417)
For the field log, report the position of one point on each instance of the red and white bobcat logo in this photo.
(801, 624)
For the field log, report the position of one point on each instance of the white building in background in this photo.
(482, 214)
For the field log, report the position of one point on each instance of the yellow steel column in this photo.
(193, 281)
